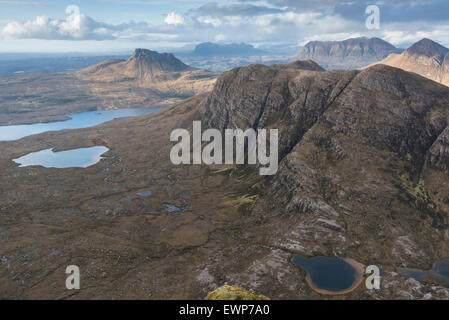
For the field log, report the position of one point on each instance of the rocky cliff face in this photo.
(363, 160)
(426, 58)
(348, 54)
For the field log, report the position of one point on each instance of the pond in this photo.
(76, 158)
(329, 275)
(77, 121)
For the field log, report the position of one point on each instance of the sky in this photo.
(122, 25)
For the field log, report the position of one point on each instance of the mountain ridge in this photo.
(347, 54)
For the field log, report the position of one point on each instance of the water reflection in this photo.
(82, 158)
(77, 121)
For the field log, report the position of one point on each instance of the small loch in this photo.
(440, 270)
(77, 121)
(76, 158)
(330, 275)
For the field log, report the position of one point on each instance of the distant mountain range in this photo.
(233, 49)
(36, 63)
(348, 54)
(426, 58)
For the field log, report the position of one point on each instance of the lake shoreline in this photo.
(359, 269)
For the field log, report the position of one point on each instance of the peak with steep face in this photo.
(143, 65)
(428, 48)
(151, 61)
(348, 54)
(426, 58)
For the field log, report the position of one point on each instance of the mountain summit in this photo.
(348, 54)
(144, 65)
(144, 60)
(427, 48)
(426, 58)
(162, 72)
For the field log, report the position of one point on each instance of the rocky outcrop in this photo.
(348, 54)
(439, 152)
(233, 293)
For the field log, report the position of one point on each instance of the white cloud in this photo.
(398, 37)
(220, 37)
(78, 27)
(271, 27)
(174, 18)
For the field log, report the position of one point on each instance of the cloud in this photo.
(398, 37)
(174, 18)
(399, 11)
(24, 3)
(248, 10)
(256, 22)
(77, 27)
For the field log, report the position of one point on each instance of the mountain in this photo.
(363, 162)
(426, 57)
(146, 79)
(348, 54)
(145, 67)
(234, 49)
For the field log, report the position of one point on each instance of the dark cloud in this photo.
(391, 11)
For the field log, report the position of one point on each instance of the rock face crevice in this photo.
(439, 151)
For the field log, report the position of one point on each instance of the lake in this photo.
(76, 158)
(77, 121)
(330, 274)
(440, 270)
